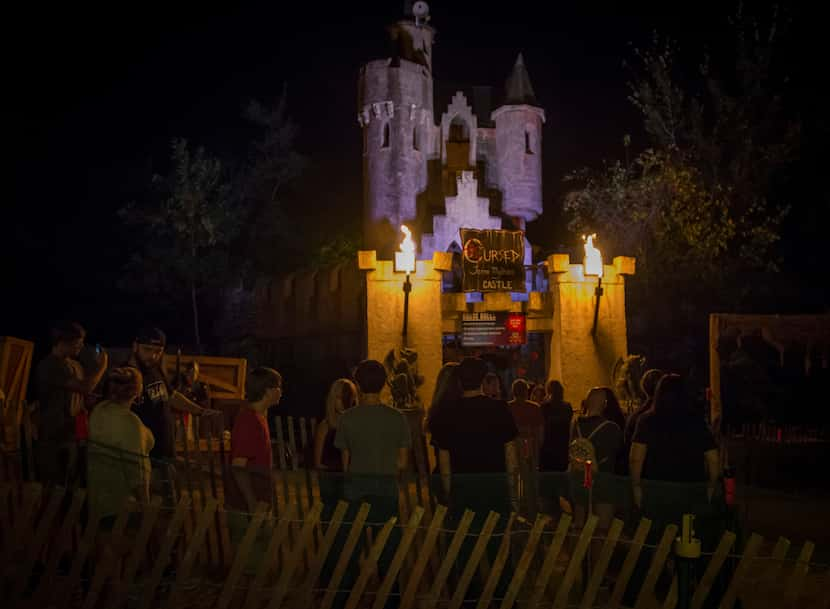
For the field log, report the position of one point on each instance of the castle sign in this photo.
(493, 260)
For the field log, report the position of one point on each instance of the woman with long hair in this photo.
(342, 396)
(447, 393)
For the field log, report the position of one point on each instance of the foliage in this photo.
(186, 231)
(702, 206)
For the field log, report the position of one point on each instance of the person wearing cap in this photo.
(153, 405)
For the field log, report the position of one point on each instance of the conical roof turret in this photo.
(518, 89)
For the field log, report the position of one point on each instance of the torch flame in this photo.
(405, 259)
(407, 245)
(593, 257)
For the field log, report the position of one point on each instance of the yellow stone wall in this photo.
(384, 315)
(578, 359)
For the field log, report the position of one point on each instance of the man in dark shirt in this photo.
(153, 407)
(61, 387)
(476, 436)
(647, 384)
(557, 414)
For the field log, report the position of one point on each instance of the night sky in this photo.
(97, 94)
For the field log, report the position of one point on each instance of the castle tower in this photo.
(519, 148)
(395, 112)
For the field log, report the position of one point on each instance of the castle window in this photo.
(458, 131)
(384, 143)
(528, 148)
(416, 145)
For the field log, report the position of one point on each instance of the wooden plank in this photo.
(370, 565)
(242, 556)
(704, 586)
(770, 583)
(148, 520)
(292, 445)
(520, 571)
(549, 563)
(630, 562)
(751, 549)
(65, 592)
(424, 555)
(32, 493)
(34, 546)
(297, 551)
(398, 558)
(479, 548)
(304, 439)
(498, 566)
(345, 555)
(45, 586)
(206, 490)
(163, 557)
(224, 537)
(598, 570)
(269, 562)
(671, 596)
(280, 443)
(449, 559)
(575, 564)
(193, 550)
(658, 561)
(800, 568)
(305, 599)
(111, 560)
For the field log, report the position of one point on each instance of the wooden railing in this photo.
(52, 557)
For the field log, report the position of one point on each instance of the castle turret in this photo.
(395, 112)
(519, 148)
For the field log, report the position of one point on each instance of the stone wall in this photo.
(580, 359)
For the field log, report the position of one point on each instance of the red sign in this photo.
(499, 329)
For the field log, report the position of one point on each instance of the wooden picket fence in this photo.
(51, 556)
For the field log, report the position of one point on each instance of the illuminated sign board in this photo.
(498, 329)
(493, 260)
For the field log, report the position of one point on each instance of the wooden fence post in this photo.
(645, 598)
(524, 562)
(107, 566)
(475, 558)
(370, 565)
(630, 562)
(45, 588)
(542, 579)
(800, 568)
(148, 520)
(498, 566)
(424, 555)
(712, 569)
(449, 558)
(163, 558)
(602, 564)
(193, 550)
(242, 555)
(575, 563)
(297, 552)
(736, 584)
(307, 595)
(269, 562)
(87, 541)
(398, 558)
(345, 555)
(32, 493)
(34, 546)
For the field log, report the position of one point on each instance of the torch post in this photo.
(407, 288)
(598, 294)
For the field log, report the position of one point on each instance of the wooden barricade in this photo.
(152, 563)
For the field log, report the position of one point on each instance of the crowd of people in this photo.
(114, 426)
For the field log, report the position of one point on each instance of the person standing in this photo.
(528, 418)
(153, 405)
(119, 448)
(61, 387)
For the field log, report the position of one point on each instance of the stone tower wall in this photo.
(397, 98)
(519, 171)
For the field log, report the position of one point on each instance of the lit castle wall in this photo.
(474, 169)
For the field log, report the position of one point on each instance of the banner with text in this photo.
(499, 329)
(493, 260)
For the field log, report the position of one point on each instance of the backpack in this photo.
(581, 449)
